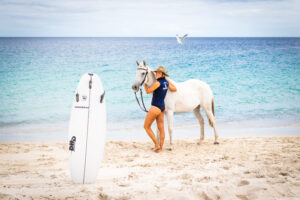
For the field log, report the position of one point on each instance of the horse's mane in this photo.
(152, 74)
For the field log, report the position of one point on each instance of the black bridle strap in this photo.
(144, 107)
(145, 75)
(141, 92)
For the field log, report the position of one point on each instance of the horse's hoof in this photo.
(200, 142)
(169, 149)
(216, 143)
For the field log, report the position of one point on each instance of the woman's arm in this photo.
(152, 88)
(171, 85)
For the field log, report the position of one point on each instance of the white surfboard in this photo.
(87, 129)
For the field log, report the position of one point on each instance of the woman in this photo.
(157, 109)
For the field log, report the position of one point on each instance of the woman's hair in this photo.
(164, 74)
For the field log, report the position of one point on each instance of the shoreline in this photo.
(178, 133)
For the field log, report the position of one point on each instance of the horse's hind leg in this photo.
(201, 122)
(170, 125)
(212, 122)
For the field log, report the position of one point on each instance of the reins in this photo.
(141, 92)
(144, 107)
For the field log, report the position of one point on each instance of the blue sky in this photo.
(199, 18)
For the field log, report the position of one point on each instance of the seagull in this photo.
(180, 39)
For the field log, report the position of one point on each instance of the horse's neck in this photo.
(151, 78)
(173, 81)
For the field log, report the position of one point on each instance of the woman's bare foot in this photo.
(158, 150)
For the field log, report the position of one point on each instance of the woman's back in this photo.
(160, 93)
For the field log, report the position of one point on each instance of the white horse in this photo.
(191, 95)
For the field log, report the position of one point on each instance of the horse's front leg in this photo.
(170, 116)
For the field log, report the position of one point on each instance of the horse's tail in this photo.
(213, 111)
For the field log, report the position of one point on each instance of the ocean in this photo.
(255, 81)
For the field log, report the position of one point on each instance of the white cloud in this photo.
(149, 18)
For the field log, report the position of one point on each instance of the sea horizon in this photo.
(148, 37)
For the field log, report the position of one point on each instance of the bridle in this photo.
(141, 91)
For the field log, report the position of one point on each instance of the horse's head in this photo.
(141, 75)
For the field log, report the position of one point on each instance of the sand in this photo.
(237, 168)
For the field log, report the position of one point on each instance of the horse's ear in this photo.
(144, 62)
(137, 63)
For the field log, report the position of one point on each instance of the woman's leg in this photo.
(161, 128)
(151, 116)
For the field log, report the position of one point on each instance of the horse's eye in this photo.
(143, 73)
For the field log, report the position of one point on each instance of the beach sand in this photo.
(241, 168)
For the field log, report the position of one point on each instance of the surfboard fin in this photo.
(102, 97)
(77, 97)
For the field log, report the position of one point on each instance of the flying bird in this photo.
(180, 39)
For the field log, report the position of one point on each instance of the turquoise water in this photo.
(255, 81)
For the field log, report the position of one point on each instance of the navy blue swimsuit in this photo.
(159, 94)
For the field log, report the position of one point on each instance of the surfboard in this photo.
(87, 129)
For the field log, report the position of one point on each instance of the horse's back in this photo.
(189, 95)
(195, 85)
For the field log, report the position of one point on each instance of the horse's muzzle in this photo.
(135, 88)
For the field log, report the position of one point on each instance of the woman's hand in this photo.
(152, 88)
(171, 85)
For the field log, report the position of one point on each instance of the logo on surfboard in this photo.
(72, 143)
(84, 97)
